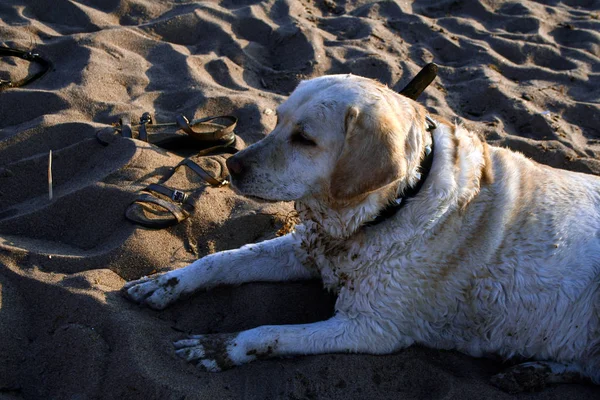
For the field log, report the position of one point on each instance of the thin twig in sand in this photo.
(50, 175)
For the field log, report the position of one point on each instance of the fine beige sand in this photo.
(525, 74)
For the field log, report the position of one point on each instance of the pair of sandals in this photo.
(159, 205)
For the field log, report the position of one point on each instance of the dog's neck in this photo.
(342, 220)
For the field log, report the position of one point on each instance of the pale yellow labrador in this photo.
(427, 235)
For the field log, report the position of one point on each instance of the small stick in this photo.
(50, 175)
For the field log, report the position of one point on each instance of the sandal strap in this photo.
(174, 194)
(203, 174)
(174, 209)
(125, 124)
(179, 196)
(226, 147)
(145, 119)
(184, 124)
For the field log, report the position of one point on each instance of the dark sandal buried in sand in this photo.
(44, 66)
(171, 201)
(420, 82)
(199, 133)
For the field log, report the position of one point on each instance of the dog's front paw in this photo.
(156, 291)
(213, 353)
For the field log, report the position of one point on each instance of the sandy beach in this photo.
(524, 74)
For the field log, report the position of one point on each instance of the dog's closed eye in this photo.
(301, 138)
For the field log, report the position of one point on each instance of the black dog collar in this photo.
(410, 192)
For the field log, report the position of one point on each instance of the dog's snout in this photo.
(234, 165)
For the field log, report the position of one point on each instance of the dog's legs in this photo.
(534, 375)
(271, 260)
(339, 334)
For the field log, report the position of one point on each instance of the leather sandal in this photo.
(199, 133)
(27, 56)
(161, 204)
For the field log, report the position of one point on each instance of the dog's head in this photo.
(338, 138)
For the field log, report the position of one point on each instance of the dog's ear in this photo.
(372, 156)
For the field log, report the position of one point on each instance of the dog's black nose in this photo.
(234, 165)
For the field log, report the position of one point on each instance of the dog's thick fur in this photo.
(495, 255)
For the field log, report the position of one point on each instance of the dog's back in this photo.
(512, 266)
